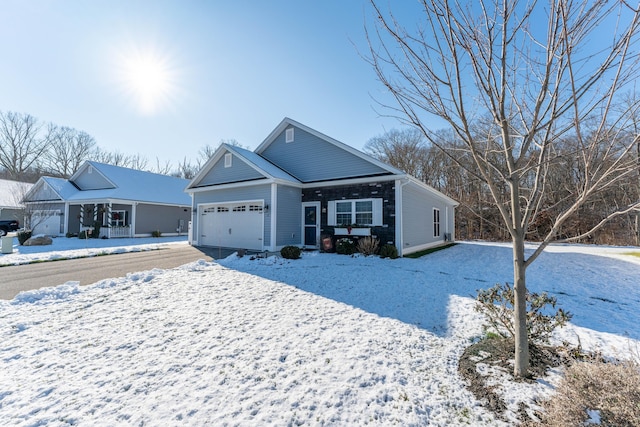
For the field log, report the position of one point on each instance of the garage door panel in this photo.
(46, 223)
(234, 225)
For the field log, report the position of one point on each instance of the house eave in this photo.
(238, 184)
(351, 181)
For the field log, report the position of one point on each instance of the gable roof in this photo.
(124, 184)
(262, 166)
(307, 168)
(287, 122)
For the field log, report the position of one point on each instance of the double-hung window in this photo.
(118, 218)
(362, 212)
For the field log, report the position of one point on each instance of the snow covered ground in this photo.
(63, 247)
(324, 340)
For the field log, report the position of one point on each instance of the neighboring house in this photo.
(11, 194)
(300, 187)
(121, 202)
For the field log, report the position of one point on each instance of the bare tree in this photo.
(404, 149)
(67, 149)
(21, 144)
(537, 83)
(117, 158)
(162, 168)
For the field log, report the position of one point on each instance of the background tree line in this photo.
(454, 172)
(31, 148)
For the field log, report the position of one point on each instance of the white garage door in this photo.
(46, 222)
(232, 225)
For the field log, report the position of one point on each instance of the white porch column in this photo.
(65, 218)
(133, 219)
(95, 213)
(109, 214)
(81, 217)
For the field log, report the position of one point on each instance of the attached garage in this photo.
(232, 225)
(46, 222)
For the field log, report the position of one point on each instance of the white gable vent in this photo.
(227, 160)
(288, 135)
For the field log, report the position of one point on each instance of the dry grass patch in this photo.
(596, 393)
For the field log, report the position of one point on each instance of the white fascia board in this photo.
(232, 185)
(350, 181)
(39, 184)
(207, 166)
(121, 202)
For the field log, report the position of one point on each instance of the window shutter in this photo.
(377, 212)
(331, 213)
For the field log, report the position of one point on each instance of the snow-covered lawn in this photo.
(324, 340)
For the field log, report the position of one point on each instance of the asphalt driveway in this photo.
(15, 279)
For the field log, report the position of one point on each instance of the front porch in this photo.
(109, 220)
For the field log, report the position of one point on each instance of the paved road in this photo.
(15, 279)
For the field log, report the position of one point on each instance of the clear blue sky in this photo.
(164, 78)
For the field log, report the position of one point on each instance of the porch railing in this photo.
(115, 232)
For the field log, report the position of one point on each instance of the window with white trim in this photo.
(227, 160)
(436, 222)
(118, 218)
(361, 211)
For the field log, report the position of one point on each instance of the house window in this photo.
(344, 213)
(361, 212)
(288, 135)
(227, 160)
(118, 218)
(436, 222)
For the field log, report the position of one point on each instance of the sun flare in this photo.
(148, 80)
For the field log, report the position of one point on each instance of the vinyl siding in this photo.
(417, 218)
(163, 218)
(239, 171)
(310, 159)
(91, 181)
(257, 192)
(289, 219)
(44, 193)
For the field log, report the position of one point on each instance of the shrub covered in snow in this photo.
(290, 252)
(389, 251)
(345, 246)
(23, 236)
(497, 304)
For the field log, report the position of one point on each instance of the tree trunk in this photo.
(521, 367)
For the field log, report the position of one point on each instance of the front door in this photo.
(311, 224)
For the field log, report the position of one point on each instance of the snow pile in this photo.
(327, 339)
